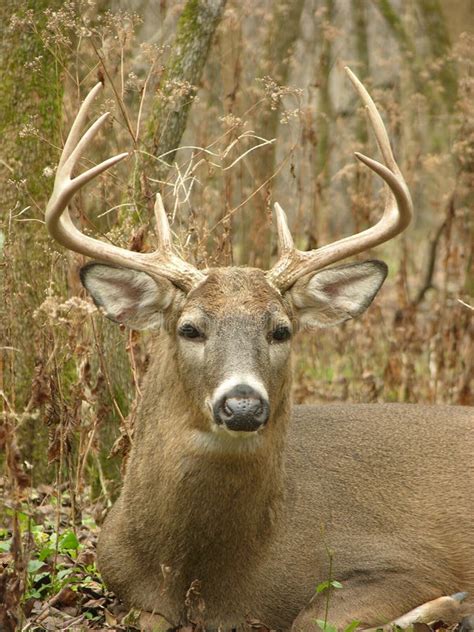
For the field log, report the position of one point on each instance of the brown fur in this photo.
(388, 489)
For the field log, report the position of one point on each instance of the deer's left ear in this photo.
(337, 294)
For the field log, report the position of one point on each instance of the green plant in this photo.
(324, 624)
(53, 560)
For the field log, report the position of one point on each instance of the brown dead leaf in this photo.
(421, 627)
(86, 557)
(110, 619)
(94, 603)
(6, 558)
(66, 597)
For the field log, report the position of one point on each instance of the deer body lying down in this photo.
(385, 487)
(230, 485)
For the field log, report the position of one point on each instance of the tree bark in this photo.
(280, 40)
(282, 34)
(405, 43)
(30, 97)
(325, 107)
(179, 84)
(31, 94)
(359, 15)
(440, 44)
(30, 113)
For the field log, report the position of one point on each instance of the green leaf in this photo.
(64, 573)
(90, 569)
(325, 626)
(45, 552)
(352, 626)
(89, 523)
(34, 566)
(39, 576)
(6, 545)
(23, 517)
(69, 542)
(326, 585)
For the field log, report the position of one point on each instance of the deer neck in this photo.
(213, 502)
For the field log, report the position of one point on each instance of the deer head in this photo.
(230, 328)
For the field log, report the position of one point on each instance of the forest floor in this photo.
(48, 574)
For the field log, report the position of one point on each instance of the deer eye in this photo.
(281, 333)
(187, 330)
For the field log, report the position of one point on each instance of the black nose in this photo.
(241, 408)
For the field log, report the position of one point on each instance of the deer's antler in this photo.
(294, 263)
(163, 262)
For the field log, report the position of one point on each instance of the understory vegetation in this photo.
(265, 115)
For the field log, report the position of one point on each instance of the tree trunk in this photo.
(282, 34)
(30, 106)
(440, 44)
(325, 107)
(405, 43)
(280, 40)
(30, 111)
(359, 16)
(180, 80)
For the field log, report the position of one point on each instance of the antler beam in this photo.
(163, 262)
(294, 263)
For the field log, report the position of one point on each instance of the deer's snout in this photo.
(242, 408)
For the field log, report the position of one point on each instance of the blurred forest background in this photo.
(226, 107)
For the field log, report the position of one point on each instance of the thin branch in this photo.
(432, 254)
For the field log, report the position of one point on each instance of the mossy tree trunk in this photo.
(405, 43)
(30, 107)
(31, 97)
(180, 81)
(444, 69)
(30, 111)
(440, 45)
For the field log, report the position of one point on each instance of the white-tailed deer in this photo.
(227, 483)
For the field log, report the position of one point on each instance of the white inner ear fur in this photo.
(127, 296)
(337, 294)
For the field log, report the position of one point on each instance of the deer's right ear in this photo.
(132, 298)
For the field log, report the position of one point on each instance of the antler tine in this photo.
(163, 262)
(185, 275)
(162, 230)
(75, 131)
(397, 214)
(285, 240)
(376, 121)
